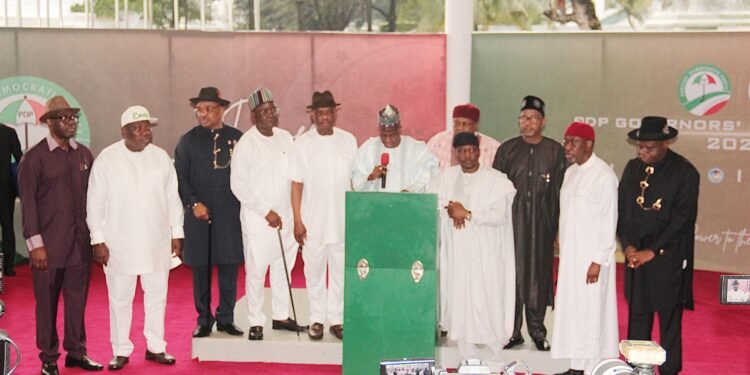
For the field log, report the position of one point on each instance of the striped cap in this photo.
(259, 96)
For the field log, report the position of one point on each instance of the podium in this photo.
(390, 290)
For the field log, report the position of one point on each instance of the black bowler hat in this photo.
(323, 100)
(210, 94)
(532, 102)
(653, 128)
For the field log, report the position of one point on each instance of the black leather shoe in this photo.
(84, 362)
(117, 363)
(337, 330)
(289, 324)
(256, 333)
(202, 331)
(571, 372)
(161, 358)
(230, 329)
(542, 344)
(514, 341)
(50, 368)
(316, 331)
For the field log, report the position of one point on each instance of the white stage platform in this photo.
(285, 347)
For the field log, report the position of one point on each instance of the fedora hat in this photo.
(653, 128)
(55, 105)
(323, 100)
(209, 94)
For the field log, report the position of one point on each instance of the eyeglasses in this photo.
(65, 118)
(641, 199)
(528, 118)
(205, 110)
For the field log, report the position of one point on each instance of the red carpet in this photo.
(716, 338)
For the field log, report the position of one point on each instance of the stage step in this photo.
(285, 347)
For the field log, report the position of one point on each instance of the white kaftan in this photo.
(260, 181)
(585, 320)
(477, 262)
(133, 206)
(323, 165)
(411, 166)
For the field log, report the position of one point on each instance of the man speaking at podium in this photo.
(393, 162)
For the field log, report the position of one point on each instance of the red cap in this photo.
(469, 111)
(580, 130)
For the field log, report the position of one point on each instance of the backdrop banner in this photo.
(106, 71)
(697, 80)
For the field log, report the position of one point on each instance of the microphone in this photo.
(384, 159)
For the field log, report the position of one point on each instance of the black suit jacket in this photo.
(9, 146)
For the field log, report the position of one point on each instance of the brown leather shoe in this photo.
(161, 358)
(337, 330)
(316, 331)
(117, 363)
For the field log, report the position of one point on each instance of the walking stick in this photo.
(288, 281)
(210, 232)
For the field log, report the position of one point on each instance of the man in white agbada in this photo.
(398, 162)
(477, 261)
(135, 217)
(260, 181)
(585, 321)
(320, 173)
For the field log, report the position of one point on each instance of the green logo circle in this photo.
(22, 101)
(704, 90)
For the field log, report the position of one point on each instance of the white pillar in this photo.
(459, 24)
(117, 14)
(176, 5)
(256, 14)
(203, 15)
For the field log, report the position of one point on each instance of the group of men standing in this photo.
(564, 195)
(259, 196)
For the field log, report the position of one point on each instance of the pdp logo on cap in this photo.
(137, 113)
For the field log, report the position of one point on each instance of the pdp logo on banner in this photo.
(22, 101)
(704, 90)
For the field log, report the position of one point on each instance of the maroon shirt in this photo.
(52, 185)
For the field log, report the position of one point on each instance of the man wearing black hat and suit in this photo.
(213, 235)
(536, 165)
(320, 171)
(658, 205)
(9, 146)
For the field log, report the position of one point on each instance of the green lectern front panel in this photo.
(387, 313)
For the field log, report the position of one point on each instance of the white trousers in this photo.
(263, 253)
(121, 290)
(325, 303)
